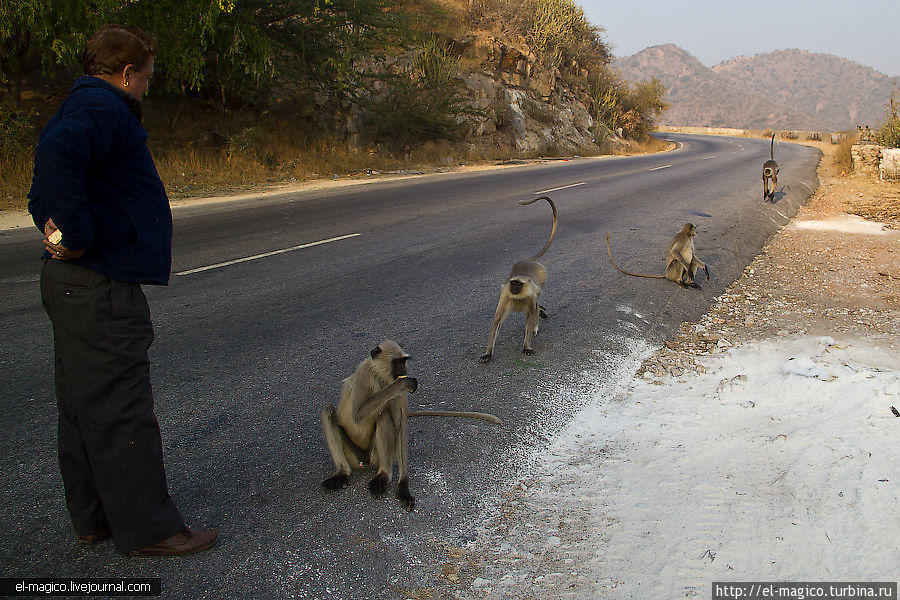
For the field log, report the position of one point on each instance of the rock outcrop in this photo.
(519, 103)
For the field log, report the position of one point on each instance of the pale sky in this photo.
(865, 31)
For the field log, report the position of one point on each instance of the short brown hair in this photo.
(116, 46)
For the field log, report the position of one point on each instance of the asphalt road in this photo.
(247, 353)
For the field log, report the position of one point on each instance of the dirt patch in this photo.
(832, 271)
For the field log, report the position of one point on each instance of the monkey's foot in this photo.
(527, 351)
(378, 484)
(543, 312)
(336, 482)
(486, 358)
(406, 499)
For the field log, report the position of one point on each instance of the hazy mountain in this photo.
(785, 89)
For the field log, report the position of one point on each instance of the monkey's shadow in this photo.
(778, 196)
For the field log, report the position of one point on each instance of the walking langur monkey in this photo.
(520, 292)
(369, 427)
(681, 263)
(770, 171)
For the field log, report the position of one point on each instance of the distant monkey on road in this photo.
(770, 172)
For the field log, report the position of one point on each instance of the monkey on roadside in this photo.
(681, 263)
(520, 292)
(770, 171)
(369, 427)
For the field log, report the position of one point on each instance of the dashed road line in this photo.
(267, 254)
(565, 187)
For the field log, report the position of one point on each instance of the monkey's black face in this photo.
(515, 286)
(399, 366)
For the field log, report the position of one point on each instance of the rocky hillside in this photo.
(519, 106)
(785, 89)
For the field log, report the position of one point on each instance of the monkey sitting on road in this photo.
(681, 263)
(770, 172)
(520, 293)
(369, 427)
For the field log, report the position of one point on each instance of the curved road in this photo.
(247, 352)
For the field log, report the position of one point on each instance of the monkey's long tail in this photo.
(772, 149)
(449, 413)
(552, 231)
(608, 251)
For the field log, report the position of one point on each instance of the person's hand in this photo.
(58, 251)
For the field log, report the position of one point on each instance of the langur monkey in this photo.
(681, 263)
(369, 427)
(770, 171)
(520, 292)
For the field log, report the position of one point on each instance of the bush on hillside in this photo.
(424, 102)
(889, 134)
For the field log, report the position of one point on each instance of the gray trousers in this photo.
(110, 450)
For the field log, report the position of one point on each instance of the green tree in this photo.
(424, 102)
(642, 107)
(561, 32)
(184, 30)
(322, 42)
(55, 29)
(605, 90)
(889, 134)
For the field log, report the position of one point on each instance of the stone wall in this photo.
(890, 163)
(865, 158)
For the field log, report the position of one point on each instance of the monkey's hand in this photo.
(486, 358)
(411, 383)
(527, 351)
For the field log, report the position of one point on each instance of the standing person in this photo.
(95, 183)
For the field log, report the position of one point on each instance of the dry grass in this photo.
(882, 205)
(651, 145)
(15, 180)
(842, 158)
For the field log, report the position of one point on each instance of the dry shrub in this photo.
(649, 144)
(842, 157)
(15, 181)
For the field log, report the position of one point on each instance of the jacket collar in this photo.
(89, 81)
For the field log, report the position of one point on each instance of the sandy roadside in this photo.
(758, 445)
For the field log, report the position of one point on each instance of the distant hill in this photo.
(785, 89)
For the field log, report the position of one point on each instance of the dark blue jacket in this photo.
(95, 177)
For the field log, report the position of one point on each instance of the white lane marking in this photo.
(709, 157)
(565, 187)
(658, 168)
(266, 254)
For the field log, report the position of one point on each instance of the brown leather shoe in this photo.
(184, 542)
(94, 538)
